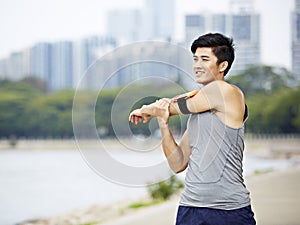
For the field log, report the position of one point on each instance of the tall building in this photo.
(61, 65)
(124, 25)
(242, 23)
(16, 66)
(158, 19)
(40, 61)
(85, 52)
(244, 27)
(3, 69)
(296, 40)
(196, 24)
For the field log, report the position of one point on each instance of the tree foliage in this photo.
(272, 98)
(27, 110)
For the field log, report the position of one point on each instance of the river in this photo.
(43, 183)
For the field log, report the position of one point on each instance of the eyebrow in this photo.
(201, 56)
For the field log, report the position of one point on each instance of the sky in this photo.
(26, 22)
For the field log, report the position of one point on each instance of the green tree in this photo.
(15, 98)
(263, 80)
(37, 83)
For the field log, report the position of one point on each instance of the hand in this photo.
(162, 106)
(136, 116)
(160, 109)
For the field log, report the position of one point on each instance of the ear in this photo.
(223, 65)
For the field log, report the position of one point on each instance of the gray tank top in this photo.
(214, 176)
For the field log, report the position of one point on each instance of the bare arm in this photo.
(209, 97)
(227, 100)
(177, 155)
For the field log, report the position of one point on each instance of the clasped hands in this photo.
(159, 109)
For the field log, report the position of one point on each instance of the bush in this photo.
(165, 189)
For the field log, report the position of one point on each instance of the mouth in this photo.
(198, 73)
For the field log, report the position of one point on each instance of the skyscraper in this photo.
(296, 40)
(40, 61)
(244, 27)
(158, 19)
(196, 24)
(85, 52)
(62, 65)
(124, 25)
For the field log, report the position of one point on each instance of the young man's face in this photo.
(205, 66)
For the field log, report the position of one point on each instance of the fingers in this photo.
(146, 118)
(135, 119)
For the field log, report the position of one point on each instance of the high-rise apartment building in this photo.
(124, 25)
(40, 61)
(16, 66)
(244, 27)
(158, 19)
(61, 65)
(85, 54)
(296, 40)
(197, 24)
(194, 26)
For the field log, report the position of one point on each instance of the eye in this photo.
(205, 59)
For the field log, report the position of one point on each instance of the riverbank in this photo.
(276, 197)
(269, 146)
(275, 200)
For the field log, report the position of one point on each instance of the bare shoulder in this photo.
(230, 102)
(225, 89)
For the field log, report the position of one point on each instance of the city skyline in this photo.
(25, 23)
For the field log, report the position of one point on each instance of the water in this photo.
(39, 184)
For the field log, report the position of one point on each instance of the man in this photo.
(212, 146)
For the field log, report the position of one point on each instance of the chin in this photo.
(200, 81)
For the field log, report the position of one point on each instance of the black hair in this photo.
(222, 47)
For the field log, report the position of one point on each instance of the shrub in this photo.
(165, 189)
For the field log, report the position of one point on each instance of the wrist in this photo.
(163, 124)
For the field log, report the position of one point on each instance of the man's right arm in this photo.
(177, 155)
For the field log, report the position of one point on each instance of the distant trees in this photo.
(27, 110)
(272, 95)
(263, 80)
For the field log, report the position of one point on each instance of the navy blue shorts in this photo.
(208, 216)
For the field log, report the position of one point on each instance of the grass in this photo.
(91, 223)
(263, 171)
(138, 205)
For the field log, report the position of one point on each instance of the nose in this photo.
(197, 64)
